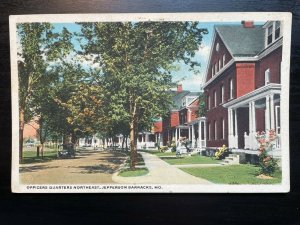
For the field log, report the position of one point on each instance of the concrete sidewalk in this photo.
(160, 172)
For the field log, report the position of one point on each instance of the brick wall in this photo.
(245, 78)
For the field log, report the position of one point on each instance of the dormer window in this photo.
(270, 34)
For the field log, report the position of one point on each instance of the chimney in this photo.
(248, 24)
(179, 88)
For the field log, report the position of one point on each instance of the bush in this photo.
(222, 152)
(163, 148)
(268, 165)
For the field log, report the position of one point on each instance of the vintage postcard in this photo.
(167, 103)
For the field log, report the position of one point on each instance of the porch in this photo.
(253, 112)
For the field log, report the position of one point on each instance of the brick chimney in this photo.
(179, 88)
(248, 24)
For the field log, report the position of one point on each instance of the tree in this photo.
(136, 61)
(202, 105)
(39, 45)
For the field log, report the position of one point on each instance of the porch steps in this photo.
(232, 159)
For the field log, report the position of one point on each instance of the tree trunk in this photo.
(126, 143)
(21, 131)
(133, 147)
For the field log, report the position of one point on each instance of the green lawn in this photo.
(133, 173)
(139, 162)
(194, 159)
(235, 174)
(29, 156)
(159, 154)
(127, 172)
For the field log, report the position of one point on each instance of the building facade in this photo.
(243, 84)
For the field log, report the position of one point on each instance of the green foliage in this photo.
(202, 105)
(136, 60)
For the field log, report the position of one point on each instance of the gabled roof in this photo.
(242, 41)
(178, 96)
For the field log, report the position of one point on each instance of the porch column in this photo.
(229, 128)
(204, 123)
(272, 125)
(267, 113)
(179, 132)
(200, 134)
(143, 140)
(235, 128)
(176, 135)
(193, 135)
(190, 133)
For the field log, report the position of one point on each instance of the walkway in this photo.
(160, 172)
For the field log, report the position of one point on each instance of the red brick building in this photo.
(243, 84)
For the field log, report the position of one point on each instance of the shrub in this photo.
(163, 148)
(222, 152)
(268, 165)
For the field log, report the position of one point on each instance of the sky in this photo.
(189, 80)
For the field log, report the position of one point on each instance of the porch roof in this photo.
(254, 95)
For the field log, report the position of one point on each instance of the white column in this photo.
(200, 134)
(193, 135)
(272, 125)
(229, 128)
(250, 118)
(176, 136)
(190, 133)
(179, 132)
(235, 128)
(143, 140)
(204, 133)
(253, 119)
(250, 125)
(267, 113)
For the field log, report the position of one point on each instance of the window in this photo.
(216, 131)
(217, 47)
(223, 128)
(209, 132)
(277, 29)
(215, 98)
(222, 94)
(270, 34)
(224, 58)
(208, 102)
(230, 89)
(216, 68)
(220, 66)
(212, 71)
(267, 76)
